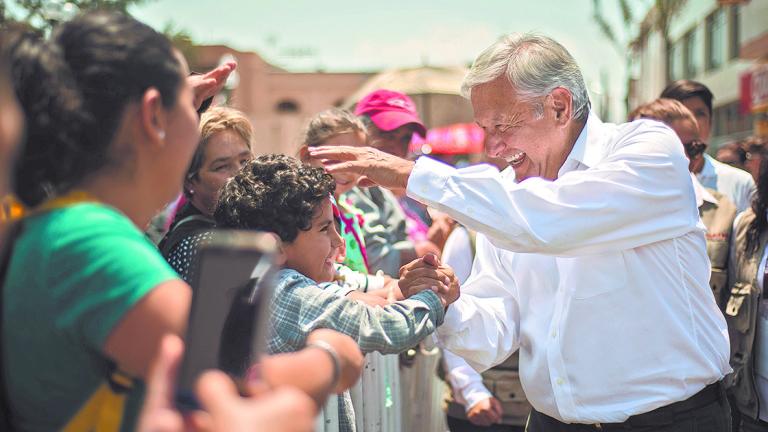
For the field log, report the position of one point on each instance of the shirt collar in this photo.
(702, 194)
(586, 150)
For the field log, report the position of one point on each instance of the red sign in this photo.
(461, 138)
(760, 88)
(754, 89)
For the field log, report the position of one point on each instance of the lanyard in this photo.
(13, 210)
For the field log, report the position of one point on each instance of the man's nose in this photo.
(494, 146)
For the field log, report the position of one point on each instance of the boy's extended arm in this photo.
(301, 306)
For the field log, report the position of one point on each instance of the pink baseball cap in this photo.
(389, 110)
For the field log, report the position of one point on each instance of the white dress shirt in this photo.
(599, 278)
(466, 383)
(734, 183)
(458, 252)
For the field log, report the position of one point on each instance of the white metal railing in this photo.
(394, 398)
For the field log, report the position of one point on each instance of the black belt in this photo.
(669, 413)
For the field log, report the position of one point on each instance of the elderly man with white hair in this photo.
(591, 258)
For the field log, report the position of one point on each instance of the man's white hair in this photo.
(534, 65)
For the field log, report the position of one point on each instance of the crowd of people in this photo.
(604, 277)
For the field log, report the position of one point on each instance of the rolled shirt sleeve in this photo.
(482, 326)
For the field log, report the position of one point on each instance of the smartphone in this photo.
(228, 320)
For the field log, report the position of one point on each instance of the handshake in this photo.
(429, 273)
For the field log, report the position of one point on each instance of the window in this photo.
(287, 107)
(728, 120)
(715, 39)
(690, 55)
(734, 32)
(675, 61)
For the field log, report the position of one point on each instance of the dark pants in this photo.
(749, 425)
(460, 425)
(711, 416)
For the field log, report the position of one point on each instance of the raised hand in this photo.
(210, 83)
(374, 165)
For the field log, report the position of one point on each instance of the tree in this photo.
(42, 15)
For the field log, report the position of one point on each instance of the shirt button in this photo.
(554, 334)
(560, 381)
(423, 189)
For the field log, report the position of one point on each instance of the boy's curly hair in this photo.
(274, 193)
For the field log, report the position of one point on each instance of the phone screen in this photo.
(228, 322)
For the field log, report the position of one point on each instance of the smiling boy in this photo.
(279, 194)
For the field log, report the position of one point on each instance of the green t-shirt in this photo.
(73, 275)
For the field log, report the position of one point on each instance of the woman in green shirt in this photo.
(111, 127)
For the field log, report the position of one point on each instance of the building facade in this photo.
(713, 42)
(277, 102)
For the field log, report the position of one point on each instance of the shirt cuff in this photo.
(454, 320)
(429, 298)
(375, 282)
(427, 180)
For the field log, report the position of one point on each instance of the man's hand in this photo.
(209, 84)
(429, 273)
(375, 166)
(486, 412)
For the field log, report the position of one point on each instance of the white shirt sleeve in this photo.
(482, 326)
(639, 194)
(467, 384)
(457, 253)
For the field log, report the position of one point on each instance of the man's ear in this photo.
(560, 101)
(153, 118)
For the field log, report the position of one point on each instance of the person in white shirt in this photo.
(736, 184)
(717, 211)
(592, 264)
(473, 406)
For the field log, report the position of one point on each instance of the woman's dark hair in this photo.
(685, 89)
(759, 207)
(74, 90)
(274, 193)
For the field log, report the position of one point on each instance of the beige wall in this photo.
(262, 86)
